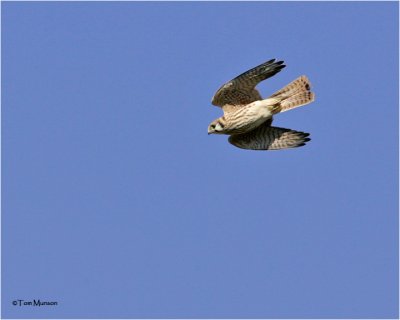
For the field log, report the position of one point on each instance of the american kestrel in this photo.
(248, 117)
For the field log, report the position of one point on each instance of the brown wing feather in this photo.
(266, 137)
(241, 90)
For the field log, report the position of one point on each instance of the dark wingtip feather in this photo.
(274, 63)
(304, 138)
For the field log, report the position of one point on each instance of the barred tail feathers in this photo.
(295, 94)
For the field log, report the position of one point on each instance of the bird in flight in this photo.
(248, 117)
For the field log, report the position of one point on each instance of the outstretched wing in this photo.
(241, 90)
(266, 137)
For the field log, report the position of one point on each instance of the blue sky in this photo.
(116, 202)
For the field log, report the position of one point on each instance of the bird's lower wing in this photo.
(266, 137)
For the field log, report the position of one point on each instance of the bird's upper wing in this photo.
(241, 90)
(266, 137)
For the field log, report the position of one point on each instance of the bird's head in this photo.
(217, 127)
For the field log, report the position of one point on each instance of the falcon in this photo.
(248, 117)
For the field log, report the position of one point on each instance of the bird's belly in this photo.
(249, 119)
(246, 126)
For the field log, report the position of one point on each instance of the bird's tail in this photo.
(295, 94)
